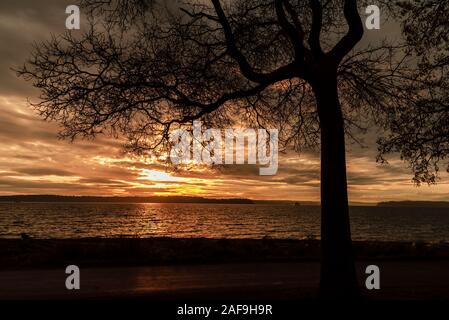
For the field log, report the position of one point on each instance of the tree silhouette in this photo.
(421, 133)
(144, 68)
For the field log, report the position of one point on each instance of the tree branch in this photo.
(293, 34)
(354, 34)
(279, 74)
(315, 31)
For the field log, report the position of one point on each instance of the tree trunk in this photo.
(338, 274)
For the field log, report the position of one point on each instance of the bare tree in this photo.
(421, 134)
(145, 68)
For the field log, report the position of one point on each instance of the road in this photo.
(399, 280)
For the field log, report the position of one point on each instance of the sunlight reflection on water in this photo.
(76, 220)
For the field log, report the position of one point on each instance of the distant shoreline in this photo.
(138, 199)
(100, 199)
(203, 200)
(414, 204)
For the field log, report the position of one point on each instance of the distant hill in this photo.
(150, 199)
(153, 199)
(422, 204)
(287, 202)
(275, 202)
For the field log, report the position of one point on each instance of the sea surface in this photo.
(77, 220)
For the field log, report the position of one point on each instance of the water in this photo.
(76, 220)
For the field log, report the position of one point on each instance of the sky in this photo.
(34, 161)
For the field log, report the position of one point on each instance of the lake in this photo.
(77, 220)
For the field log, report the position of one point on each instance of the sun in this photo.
(155, 175)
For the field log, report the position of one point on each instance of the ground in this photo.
(179, 269)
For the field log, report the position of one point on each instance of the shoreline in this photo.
(115, 252)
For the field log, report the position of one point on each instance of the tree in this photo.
(144, 68)
(421, 134)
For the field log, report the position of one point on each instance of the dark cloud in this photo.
(35, 184)
(36, 171)
(102, 181)
(23, 23)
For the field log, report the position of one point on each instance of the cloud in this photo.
(43, 171)
(23, 23)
